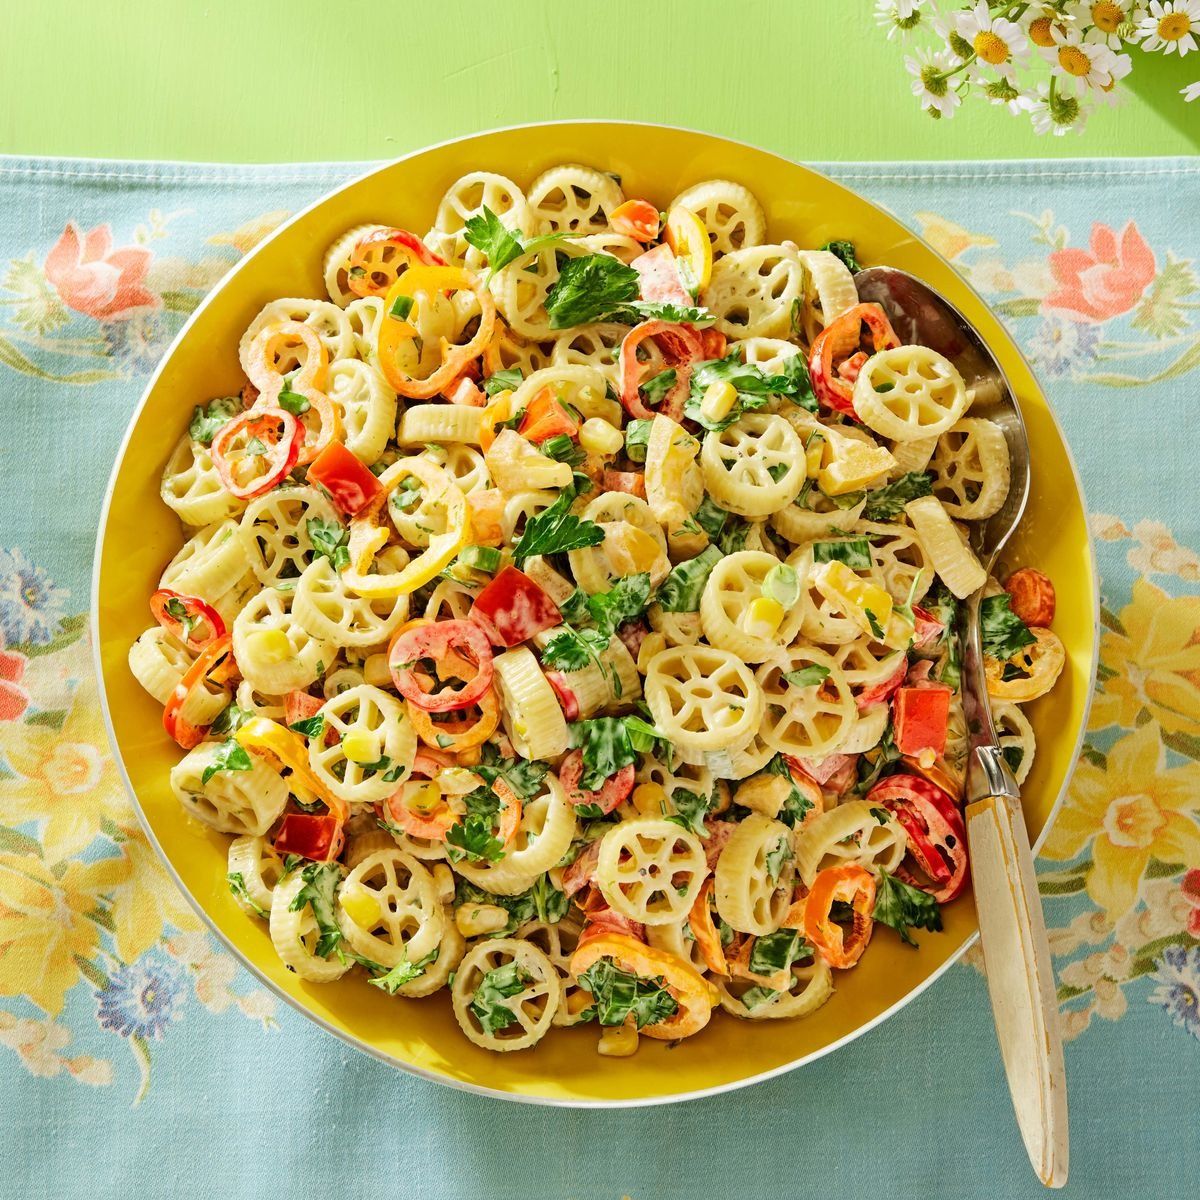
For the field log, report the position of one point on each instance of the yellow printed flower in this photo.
(247, 235)
(1156, 663)
(947, 238)
(1133, 811)
(47, 926)
(146, 901)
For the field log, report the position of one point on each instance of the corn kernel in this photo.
(360, 906)
(599, 437)
(764, 617)
(375, 671)
(578, 999)
(618, 1041)
(422, 797)
(475, 919)
(269, 645)
(718, 402)
(650, 799)
(360, 746)
(652, 644)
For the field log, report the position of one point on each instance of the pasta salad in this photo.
(566, 615)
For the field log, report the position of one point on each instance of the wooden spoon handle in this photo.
(1021, 980)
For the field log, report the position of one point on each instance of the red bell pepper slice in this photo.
(926, 628)
(658, 277)
(311, 835)
(350, 485)
(256, 451)
(438, 641)
(637, 219)
(833, 361)
(609, 796)
(545, 417)
(184, 732)
(920, 718)
(876, 693)
(182, 615)
(565, 693)
(937, 838)
(376, 259)
(647, 351)
(512, 608)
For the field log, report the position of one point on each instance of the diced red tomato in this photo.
(311, 835)
(658, 275)
(545, 417)
(609, 796)
(512, 608)
(647, 351)
(452, 646)
(583, 870)
(637, 219)
(920, 716)
(821, 769)
(1033, 598)
(351, 486)
(937, 838)
(567, 700)
(633, 482)
(863, 329)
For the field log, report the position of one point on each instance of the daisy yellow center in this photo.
(1107, 17)
(1041, 32)
(1133, 821)
(1174, 26)
(1074, 61)
(991, 47)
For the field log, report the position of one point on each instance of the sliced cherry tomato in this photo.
(937, 839)
(648, 350)
(609, 796)
(854, 885)
(704, 929)
(435, 642)
(863, 329)
(637, 219)
(182, 615)
(378, 258)
(921, 718)
(658, 277)
(1033, 598)
(692, 992)
(512, 608)
(349, 484)
(633, 482)
(311, 835)
(183, 731)
(689, 240)
(545, 417)
(396, 330)
(256, 451)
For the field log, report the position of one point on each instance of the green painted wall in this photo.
(267, 80)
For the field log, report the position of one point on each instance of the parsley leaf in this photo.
(903, 906)
(231, 755)
(777, 951)
(806, 677)
(497, 986)
(237, 885)
(617, 993)
(320, 886)
(542, 900)
(497, 243)
(754, 388)
(589, 288)
(844, 250)
(940, 602)
(626, 600)
(658, 310)
(230, 719)
(873, 621)
(655, 388)
(683, 587)
(606, 748)
(473, 838)
(778, 857)
(556, 530)
(886, 503)
(710, 517)
(523, 775)
(574, 649)
(209, 419)
(502, 381)
(797, 805)
(330, 539)
(691, 808)
(403, 972)
(1004, 633)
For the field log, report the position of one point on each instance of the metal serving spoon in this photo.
(1011, 926)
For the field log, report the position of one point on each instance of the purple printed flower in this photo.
(1059, 345)
(1178, 990)
(136, 344)
(30, 605)
(142, 998)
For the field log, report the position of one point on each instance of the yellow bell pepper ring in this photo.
(367, 537)
(688, 238)
(290, 749)
(401, 325)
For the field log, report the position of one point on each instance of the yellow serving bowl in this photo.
(139, 534)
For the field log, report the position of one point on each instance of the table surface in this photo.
(231, 81)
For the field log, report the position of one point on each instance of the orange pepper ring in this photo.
(856, 886)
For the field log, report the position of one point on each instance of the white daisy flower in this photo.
(1171, 26)
(957, 46)
(1109, 94)
(1079, 65)
(996, 41)
(930, 84)
(1111, 21)
(1056, 113)
(1192, 91)
(898, 17)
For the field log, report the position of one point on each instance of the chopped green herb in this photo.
(293, 402)
(1004, 633)
(844, 250)
(330, 539)
(209, 419)
(497, 986)
(806, 677)
(886, 503)
(312, 727)
(854, 552)
(237, 885)
(903, 907)
(617, 993)
(556, 530)
(231, 755)
(503, 381)
(403, 972)
(683, 587)
(320, 887)
(589, 288)
(637, 437)
(777, 951)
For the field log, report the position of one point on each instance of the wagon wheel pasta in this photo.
(564, 611)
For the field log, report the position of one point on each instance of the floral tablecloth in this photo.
(136, 1055)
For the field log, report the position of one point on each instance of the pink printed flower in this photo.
(1105, 281)
(96, 280)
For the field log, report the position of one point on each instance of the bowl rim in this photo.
(345, 1035)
